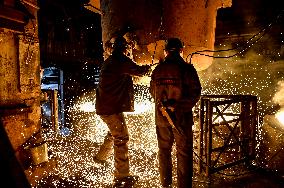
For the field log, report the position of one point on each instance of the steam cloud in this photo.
(251, 73)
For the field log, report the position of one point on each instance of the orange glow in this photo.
(280, 116)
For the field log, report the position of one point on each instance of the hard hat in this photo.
(173, 44)
(120, 43)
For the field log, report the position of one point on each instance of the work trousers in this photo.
(166, 136)
(118, 130)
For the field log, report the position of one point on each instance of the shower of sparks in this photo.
(251, 74)
(75, 152)
(87, 107)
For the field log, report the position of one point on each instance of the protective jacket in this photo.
(175, 83)
(115, 93)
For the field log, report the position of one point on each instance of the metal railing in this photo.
(52, 104)
(228, 126)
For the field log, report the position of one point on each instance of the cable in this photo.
(239, 52)
(223, 50)
(264, 30)
(160, 34)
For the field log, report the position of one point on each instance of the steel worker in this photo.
(176, 88)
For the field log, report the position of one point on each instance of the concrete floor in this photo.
(76, 169)
(252, 181)
(257, 179)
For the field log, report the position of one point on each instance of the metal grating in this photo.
(228, 126)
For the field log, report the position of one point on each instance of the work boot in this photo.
(105, 149)
(125, 182)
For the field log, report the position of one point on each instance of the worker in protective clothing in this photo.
(115, 95)
(176, 88)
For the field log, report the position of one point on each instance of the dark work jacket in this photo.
(115, 92)
(176, 81)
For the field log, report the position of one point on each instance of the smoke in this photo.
(279, 97)
(251, 73)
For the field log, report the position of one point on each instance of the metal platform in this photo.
(228, 125)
